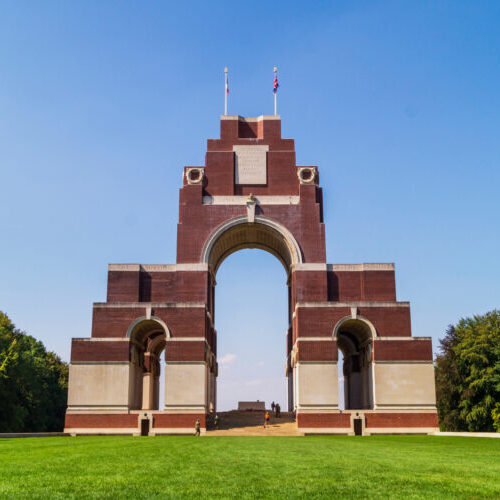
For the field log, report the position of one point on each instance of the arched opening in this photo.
(254, 292)
(251, 327)
(354, 340)
(148, 339)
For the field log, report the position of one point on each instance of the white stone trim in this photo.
(361, 267)
(100, 362)
(191, 267)
(382, 362)
(162, 268)
(166, 330)
(302, 170)
(250, 119)
(352, 304)
(124, 267)
(359, 318)
(310, 267)
(314, 339)
(100, 339)
(187, 339)
(411, 407)
(98, 410)
(242, 200)
(201, 173)
(404, 338)
(142, 305)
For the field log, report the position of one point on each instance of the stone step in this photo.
(241, 423)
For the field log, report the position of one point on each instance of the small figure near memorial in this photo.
(266, 420)
(197, 428)
(216, 422)
(273, 406)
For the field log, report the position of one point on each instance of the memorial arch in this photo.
(251, 194)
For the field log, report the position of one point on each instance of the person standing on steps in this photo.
(197, 428)
(266, 419)
(273, 406)
(216, 422)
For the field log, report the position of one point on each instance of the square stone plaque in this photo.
(250, 164)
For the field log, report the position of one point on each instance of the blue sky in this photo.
(103, 103)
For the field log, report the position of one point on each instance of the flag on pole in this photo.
(226, 85)
(276, 85)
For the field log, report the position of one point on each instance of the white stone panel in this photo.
(98, 384)
(185, 385)
(404, 384)
(317, 385)
(250, 164)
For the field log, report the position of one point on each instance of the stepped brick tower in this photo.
(251, 194)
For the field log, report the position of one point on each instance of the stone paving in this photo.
(239, 423)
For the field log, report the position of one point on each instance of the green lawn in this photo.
(250, 467)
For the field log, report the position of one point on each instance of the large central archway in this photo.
(239, 233)
(264, 234)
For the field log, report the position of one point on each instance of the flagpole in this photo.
(225, 91)
(275, 95)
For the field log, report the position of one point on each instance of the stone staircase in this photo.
(251, 423)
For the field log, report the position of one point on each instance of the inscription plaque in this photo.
(250, 164)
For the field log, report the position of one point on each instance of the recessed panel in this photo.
(250, 164)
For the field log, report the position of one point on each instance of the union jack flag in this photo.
(276, 84)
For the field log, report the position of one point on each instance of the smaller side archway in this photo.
(355, 341)
(148, 338)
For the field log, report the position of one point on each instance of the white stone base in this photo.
(346, 431)
(101, 430)
(370, 431)
(175, 430)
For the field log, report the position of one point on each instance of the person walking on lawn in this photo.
(197, 428)
(266, 419)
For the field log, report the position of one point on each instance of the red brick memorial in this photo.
(251, 194)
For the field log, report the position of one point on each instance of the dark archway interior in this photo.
(354, 338)
(147, 342)
(250, 235)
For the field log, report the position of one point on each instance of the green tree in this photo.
(33, 383)
(468, 375)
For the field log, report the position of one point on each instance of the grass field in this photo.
(246, 467)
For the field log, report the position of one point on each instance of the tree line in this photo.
(468, 375)
(33, 383)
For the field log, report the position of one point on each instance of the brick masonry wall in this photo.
(402, 350)
(401, 420)
(344, 286)
(318, 420)
(98, 420)
(317, 350)
(321, 321)
(87, 350)
(185, 351)
(181, 321)
(123, 286)
(178, 420)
